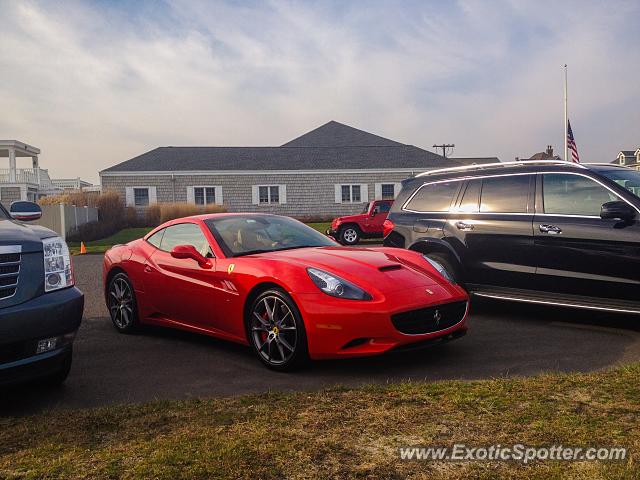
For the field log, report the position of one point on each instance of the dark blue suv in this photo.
(40, 309)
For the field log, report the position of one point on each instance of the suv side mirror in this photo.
(189, 251)
(375, 211)
(25, 211)
(617, 210)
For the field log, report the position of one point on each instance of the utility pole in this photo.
(444, 147)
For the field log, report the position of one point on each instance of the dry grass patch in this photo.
(336, 433)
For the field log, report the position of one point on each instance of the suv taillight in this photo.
(387, 227)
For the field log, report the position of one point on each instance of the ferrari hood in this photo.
(363, 266)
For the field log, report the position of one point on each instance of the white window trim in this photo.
(191, 194)
(364, 193)
(130, 196)
(396, 189)
(282, 194)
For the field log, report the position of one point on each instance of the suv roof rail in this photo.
(501, 164)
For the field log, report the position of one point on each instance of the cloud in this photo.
(93, 84)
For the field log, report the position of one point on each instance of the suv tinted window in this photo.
(435, 197)
(184, 234)
(508, 194)
(573, 195)
(471, 197)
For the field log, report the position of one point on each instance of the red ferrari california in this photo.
(281, 287)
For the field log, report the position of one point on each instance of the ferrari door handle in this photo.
(147, 269)
(550, 229)
(464, 226)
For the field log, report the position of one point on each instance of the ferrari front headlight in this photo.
(57, 264)
(336, 286)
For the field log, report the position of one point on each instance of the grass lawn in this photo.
(337, 433)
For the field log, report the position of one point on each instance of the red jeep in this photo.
(368, 224)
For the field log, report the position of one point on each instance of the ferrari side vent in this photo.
(388, 268)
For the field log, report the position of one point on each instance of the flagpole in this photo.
(566, 119)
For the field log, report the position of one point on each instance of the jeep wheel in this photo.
(349, 235)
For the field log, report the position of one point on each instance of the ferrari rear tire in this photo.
(275, 331)
(121, 300)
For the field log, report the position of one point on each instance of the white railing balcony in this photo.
(23, 175)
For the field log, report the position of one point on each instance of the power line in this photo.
(444, 148)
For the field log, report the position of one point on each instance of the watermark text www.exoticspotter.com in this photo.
(461, 452)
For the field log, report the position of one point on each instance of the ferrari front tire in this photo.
(121, 300)
(276, 332)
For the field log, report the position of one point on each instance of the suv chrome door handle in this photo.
(464, 226)
(550, 229)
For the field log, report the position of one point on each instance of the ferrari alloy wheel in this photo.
(276, 331)
(122, 303)
(349, 236)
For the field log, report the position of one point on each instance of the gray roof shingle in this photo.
(282, 158)
(333, 146)
(336, 134)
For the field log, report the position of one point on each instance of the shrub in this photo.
(131, 218)
(163, 212)
(316, 218)
(153, 215)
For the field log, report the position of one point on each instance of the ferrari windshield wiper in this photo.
(251, 252)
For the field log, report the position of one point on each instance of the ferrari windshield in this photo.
(629, 179)
(240, 235)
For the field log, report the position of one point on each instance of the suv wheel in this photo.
(349, 235)
(121, 300)
(448, 265)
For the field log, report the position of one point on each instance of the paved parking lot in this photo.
(504, 339)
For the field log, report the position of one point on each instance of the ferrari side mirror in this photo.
(189, 251)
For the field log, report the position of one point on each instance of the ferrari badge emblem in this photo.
(230, 268)
(437, 316)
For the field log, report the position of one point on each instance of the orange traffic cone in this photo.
(83, 249)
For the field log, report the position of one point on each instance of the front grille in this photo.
(430, 319)
(10, 258)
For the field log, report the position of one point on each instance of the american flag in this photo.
(571, 144)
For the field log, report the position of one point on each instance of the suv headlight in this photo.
(441, 270)
(336, 286)
(57, 264)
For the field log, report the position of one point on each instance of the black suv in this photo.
(40, 309)
(544, 232)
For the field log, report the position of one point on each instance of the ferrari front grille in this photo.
(430, 319)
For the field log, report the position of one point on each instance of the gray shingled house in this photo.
(332, 170)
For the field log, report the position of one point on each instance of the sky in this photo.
(95, 83)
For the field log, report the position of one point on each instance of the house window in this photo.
(351, 193)
(141, 197)
(388, 191)
(204, 195)
(268, 194)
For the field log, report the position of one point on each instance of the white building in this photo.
(75, 184)
(23, 183)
